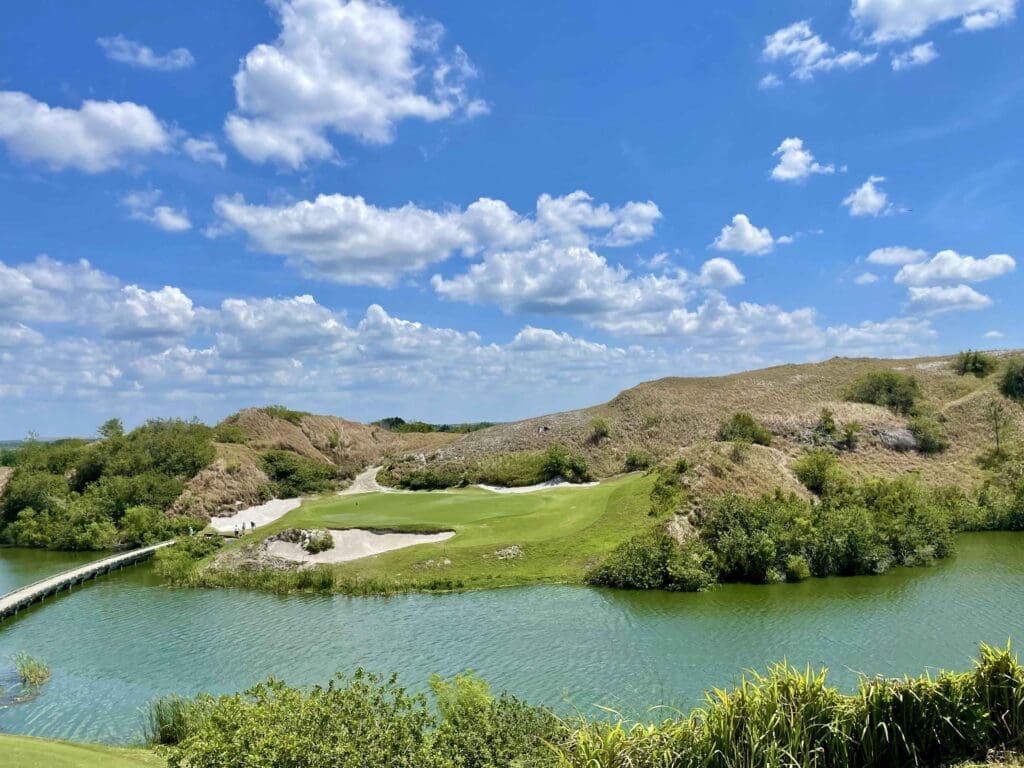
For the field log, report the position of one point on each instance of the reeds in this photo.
(31, 671)
(788, 718)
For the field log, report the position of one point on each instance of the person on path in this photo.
(236, 530)
(253, 524)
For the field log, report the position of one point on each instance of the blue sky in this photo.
(461, 211)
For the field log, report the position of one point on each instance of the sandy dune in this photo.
(354, 544)
(366, 482)
(261, 514)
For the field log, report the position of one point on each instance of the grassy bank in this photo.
(29, 752)
(500, 540)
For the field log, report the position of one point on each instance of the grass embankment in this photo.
(500, 540)
(30, 752)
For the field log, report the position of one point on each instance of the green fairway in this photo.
(29, 752)
(560, 532)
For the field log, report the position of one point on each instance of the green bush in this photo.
(655, 560)
(819, 470)
(826, 431)
(1012, 383)
(896, 391)
(797, 568)
(599, 430)
(927, 429)
(295, 475)
(638, 459)
(320, 541)
(229, 432)
(743, 426)
(287, 414)
(975, 363)
(360, 722)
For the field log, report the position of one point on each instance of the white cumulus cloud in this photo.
(205, 150)
(796, 163)
(96, 137)
(349, 240)
(886, 21)
(897, 255)
(917, 56)
(355, 68)
(869, 199)
(950, 267)
(121, 49)
(939, 299)
(806, 53)
(744, 237)
(143, 206)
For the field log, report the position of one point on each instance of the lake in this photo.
(117, 643)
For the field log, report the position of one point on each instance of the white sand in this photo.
(354, 544)
(555, 482)
(366, 482)
(262, 514)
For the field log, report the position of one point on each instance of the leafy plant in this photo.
(976, 363)
(1012, 383)
(743, 426)
(896, 391)
(31, 671)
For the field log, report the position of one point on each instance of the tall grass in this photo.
(31, 671)
(171, 718)
(788, 718)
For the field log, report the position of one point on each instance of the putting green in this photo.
(500, 539)
(29, 752)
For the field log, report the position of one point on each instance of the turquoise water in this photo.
(116, 643)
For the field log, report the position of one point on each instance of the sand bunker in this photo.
(555, 482)
(354, 544)
(261, 514)
(366, 482)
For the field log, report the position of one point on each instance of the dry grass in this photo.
(669, 416)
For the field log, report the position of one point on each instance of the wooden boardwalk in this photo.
(25, 596)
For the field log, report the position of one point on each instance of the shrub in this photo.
(975, 363)
(287, 414)
(228, 432)
(295, 475)
(638, 459)
(31, 671)
(895, 391)
(850, 436)
(797, 568)
(319, 541)
(431, 478)
(826, 431)
(599, 430)
(1012, 383)
(819, 470)
(926, 428)
(743, 426)
(655, 560)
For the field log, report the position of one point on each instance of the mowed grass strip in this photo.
(30, 752)
(561, 532)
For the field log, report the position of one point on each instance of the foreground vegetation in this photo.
(784, 717)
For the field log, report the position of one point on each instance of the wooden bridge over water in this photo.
(25, 596)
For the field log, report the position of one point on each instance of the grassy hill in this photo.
(29, 752)
(679, 416)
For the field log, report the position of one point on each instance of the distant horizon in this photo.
(131, 424)
(379, 207)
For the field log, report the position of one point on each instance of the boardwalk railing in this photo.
(25, 596)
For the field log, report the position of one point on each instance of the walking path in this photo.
(23, 597)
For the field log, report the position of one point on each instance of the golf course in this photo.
(30, 752)
(548, 535)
